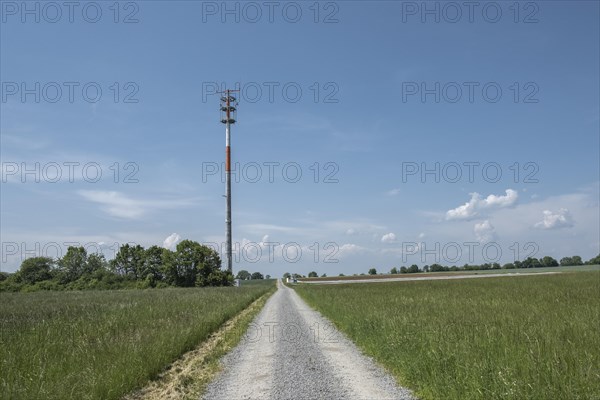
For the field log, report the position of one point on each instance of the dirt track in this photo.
(292, 352)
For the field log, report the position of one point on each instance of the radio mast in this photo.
(228, 117)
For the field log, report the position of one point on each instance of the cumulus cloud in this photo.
(557, 220)
(171, 241)
(472, 208)
(501, 201)
(484, 231)
(388, 238)
(349, 249)
(350, 232)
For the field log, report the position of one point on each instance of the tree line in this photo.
(247, 276)
(529, 262)
(190, 264)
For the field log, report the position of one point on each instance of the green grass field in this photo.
(529, 337)
(103, 344)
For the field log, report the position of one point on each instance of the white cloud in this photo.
(393, 192)
(388, 238)
(115, 203)
(171, 241)
(349, 227)
(501, 201)
(119, 205)
(465, 211)
(260, 228)
(560, 219)
(349, 249)
(484, 231)
(471, 208)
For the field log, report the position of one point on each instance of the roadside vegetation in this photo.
(104, 344)
(531, 337)
(191, 264)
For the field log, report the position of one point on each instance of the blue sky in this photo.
(386, 92)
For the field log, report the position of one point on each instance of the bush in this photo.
(48, 285)
(35, 269)
(10, 285)
(220, 278)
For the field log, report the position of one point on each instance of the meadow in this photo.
(528, 337)
(104, 344)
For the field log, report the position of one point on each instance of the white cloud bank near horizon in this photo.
(562, 225)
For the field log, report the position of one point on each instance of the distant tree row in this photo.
(529, 262)
(246, 276)
(295, 275)
(311, 274)
(191, 264)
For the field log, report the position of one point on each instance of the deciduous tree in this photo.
(257, 275)
(129, 261)
(196, 265)
(548, 261)
(36, 269)
(72, 265)
(245, 275)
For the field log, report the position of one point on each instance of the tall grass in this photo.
(103, 344)
(529, 337)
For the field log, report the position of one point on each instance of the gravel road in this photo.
(291, 352)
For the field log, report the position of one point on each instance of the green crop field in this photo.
(528, 337)
(103, 344)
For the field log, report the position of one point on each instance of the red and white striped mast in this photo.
(228, 117)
